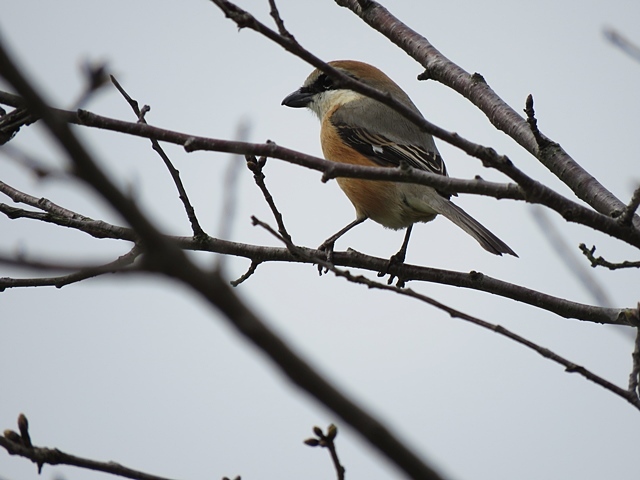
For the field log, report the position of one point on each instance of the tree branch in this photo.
(52, 456)
(259, 254)
(173, 171)
(40, 203)
(600, 261)
(256, 167)
(328, 441)
(82, 273)
(629, 211)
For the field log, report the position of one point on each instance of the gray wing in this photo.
(386, 137)
(386, 153)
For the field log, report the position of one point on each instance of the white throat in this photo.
(324, 101)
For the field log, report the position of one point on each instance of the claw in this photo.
(395, 261)
(326, 247)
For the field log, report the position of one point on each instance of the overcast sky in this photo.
(139, 371)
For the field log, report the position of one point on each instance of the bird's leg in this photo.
(327, 245)
(397, 259)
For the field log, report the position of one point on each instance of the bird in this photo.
(358, 130)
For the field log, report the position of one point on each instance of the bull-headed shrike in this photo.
(361, 131)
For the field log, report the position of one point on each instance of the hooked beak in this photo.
(298, 99)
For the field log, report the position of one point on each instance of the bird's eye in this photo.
(324, 83)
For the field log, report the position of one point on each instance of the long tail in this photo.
(484, 237)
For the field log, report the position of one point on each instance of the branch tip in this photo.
(478, 78)
(600, 261)
(23, 426)
(426, 75)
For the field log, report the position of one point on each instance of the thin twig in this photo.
(278, 20)
(198, 232)
(626, 218)
(533, 123)
(256, 167)
(23, 427)
(95, 228)
(250, 271)
(52, 456)
(40, 203)
(328, 441)
(600, 261)
(20, 260)
(79, 274)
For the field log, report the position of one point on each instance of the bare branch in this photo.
(23, 427)
(278, 20)
(79, 273)
(533, 123)
(626, 218)
(328, 441)
(173, 171)
(250, 271)
(15, 444)
(256, 167)
(599, 261)
(40, 203)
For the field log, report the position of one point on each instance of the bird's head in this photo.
(320, 93)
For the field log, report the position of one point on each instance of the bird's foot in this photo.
(394, 262)
(327, 248)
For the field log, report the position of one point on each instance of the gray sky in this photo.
(138, 370)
